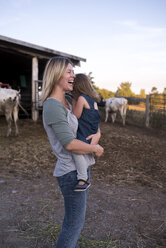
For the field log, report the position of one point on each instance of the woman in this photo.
(59, 123)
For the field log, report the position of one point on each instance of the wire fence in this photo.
(158, 110)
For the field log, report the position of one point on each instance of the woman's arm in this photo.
(80, 147)
(55, 115)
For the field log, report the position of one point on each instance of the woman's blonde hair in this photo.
(83, 85)
(54, 70)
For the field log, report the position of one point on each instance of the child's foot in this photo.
(81, 185)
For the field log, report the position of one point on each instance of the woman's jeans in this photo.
(75, 209)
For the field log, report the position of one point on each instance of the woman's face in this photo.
(66, 82)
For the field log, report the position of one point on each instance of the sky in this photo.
(122, 40)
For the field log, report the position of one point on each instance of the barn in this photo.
(22, 65)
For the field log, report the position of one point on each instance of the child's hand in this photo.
(95, 138)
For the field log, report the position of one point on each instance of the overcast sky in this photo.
(122, 40)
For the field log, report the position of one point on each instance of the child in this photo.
(86, 110)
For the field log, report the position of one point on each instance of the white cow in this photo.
(113, 105)
(9, 102)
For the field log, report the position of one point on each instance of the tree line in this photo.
(123, 90)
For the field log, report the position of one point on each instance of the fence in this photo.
(137, 100)
(158, 104)
(155, 106)
(157, 110)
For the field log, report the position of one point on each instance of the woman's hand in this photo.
(99, 151)
(95, 138)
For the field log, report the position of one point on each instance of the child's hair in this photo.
(82, 85)
(54, 70)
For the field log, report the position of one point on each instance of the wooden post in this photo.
(147, 111)
(35, 111)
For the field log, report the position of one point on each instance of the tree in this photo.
(105, 93)
(102, 92)
(91, 78)
(154, 90)
(142, 93)
(164, 91)
(125, 90)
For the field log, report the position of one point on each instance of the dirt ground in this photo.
(126, 202)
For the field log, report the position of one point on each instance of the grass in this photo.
(158, 120)
(133, 116)
(46, 233)
(87, 243)
(137, 107)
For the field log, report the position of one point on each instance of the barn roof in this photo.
(25, 48)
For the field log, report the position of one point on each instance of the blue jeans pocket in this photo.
(69, 179)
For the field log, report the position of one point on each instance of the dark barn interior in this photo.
(16, 63)
(16, 71)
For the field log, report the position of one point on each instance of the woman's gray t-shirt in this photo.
(61, 127)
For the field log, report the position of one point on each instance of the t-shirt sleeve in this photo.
(55, 115)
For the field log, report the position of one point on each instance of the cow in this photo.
(9, 106)
(113, 105)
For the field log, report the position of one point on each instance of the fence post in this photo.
(35, 112)
(147, 111)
